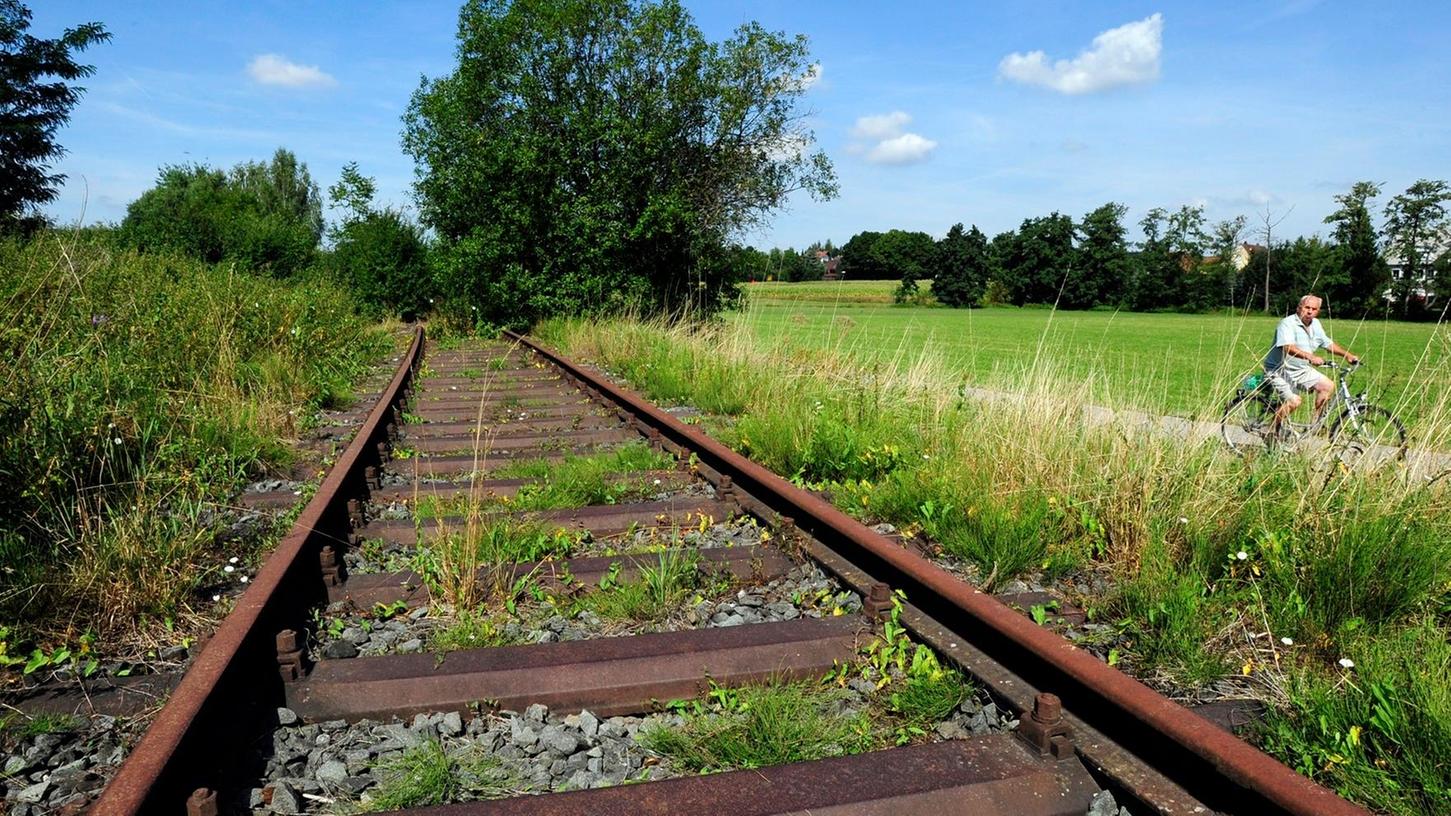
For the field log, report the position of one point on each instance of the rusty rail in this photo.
(1213, 765)
(238, 666)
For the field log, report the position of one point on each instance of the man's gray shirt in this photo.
(1293, 332)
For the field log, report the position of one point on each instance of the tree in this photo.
(1169, 260)
(380, 253)
(33, 109)
(961, 267)
(1223, 277)
(1101, 273)
(263, 216)
(799, 266)
(591, 155)
(1039, 259)
(1416, 233)
(858, 262)
(906, 256)
(1361, 265)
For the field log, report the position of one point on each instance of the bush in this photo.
(264, 217)
(383, 258)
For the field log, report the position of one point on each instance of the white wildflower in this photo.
(1242, 555)
(1288, 641)
(245, 579)
(229, 568)
(1347, 663)
(234, 559)
(1183, 520)
(657, 481)
(116, 441)
(216, 598)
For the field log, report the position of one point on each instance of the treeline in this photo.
(1183, 262)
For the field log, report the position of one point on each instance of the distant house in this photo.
(830, 268)
(1419, 288)
(1243, 253)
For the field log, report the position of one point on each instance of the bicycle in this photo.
(1355, 425)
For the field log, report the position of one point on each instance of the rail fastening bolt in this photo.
(879, 600)
(202, 802)
(1047, 708)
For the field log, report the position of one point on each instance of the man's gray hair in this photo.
(1310, 297)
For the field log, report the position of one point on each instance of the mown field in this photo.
(1183, 364)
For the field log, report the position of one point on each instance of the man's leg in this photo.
(1323, 390)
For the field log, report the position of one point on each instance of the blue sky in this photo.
(933, 113)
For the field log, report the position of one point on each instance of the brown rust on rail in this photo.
(991, 775)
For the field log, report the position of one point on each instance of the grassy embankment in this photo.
(1270, 573)
(138, 392)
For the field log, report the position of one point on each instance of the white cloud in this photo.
(893, 144)
(275, 69)
(909, 148)
(1126, 55)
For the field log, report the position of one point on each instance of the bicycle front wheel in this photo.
(1371, 426)
(1247, 424)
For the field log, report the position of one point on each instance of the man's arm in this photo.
(1292, 350)
(1336, 348)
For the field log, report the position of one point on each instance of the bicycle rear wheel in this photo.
(1247, 424)
(1371, 427)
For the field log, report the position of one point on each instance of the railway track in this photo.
(347, 647)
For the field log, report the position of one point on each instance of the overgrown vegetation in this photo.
(1297, 577)
(139, 391)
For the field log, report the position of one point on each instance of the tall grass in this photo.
(138, 391)
(1208, 553)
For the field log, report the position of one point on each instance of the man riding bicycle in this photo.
(1290, 364)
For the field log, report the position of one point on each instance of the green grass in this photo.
(429, 774)
(842, 291)
(659, 589)
(139, 391)
(1171, 363)
(760, 726)
(461, 567)
(1203, 548)
(17, 727)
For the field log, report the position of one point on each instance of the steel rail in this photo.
(178, 750)
(1214, 765)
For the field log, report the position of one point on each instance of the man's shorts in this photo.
(1287, 380)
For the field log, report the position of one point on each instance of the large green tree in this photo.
(1038, 259)
(1169, 260)
(1101, 272)
(1362, 267)
(858, 262)
(1417, 231)
(961, 267)
(591, 155)
(35, 101)
(907, 256)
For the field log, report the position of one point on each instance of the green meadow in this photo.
(1184, 364)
